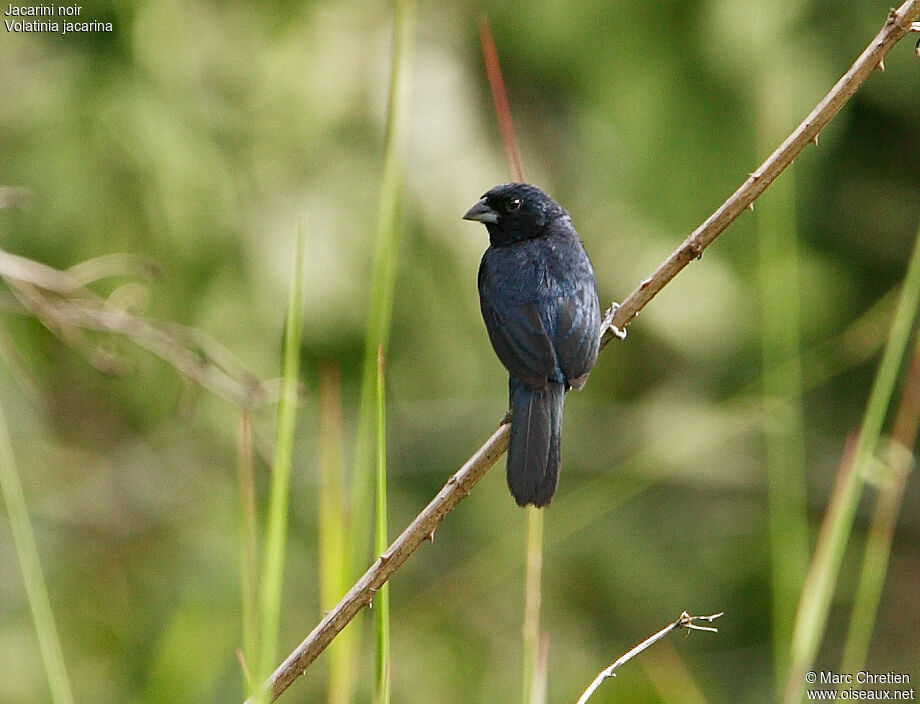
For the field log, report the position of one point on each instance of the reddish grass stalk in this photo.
(500, 97)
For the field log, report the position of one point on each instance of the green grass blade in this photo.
(814, 605)
(382, 288)
(382, 600)
(36, 591)
(249, 550)
(875, 563)
(783, 421)
(530, 638)
(276, 532)
(895, 468)
(384, 268)
(333, 522)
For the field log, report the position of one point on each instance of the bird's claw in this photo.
(505, 418)
(608, 322)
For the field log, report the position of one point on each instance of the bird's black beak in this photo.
(481, 212)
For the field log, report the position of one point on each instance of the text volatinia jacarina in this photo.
(539, 300)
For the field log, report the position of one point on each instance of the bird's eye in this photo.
(513, 204)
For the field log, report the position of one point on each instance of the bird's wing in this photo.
(516, 328)
(578, 324)
(520, 341)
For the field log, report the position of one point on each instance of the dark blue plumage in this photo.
(539, 301)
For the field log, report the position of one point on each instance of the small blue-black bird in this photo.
(539, 301)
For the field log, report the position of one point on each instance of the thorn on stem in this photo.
(814, 140)
(880, 65)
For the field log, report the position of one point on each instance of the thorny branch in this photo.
(900, 22)
(897, 26)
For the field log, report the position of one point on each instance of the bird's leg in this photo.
(607, 324)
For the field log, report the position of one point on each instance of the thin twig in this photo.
(685, 621)
(61, 301)
(109, 265)
(12, 266)
(459, 485)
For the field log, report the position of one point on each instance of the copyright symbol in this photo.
(811, 678)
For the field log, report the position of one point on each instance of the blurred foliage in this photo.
(198, 133)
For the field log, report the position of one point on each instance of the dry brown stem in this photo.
(61, 301)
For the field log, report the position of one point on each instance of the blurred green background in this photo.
(198, 134)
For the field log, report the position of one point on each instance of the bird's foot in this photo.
(505, 418)
(608, 322)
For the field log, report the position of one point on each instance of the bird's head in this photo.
(514, 211)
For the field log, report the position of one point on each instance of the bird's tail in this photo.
(535, 442)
